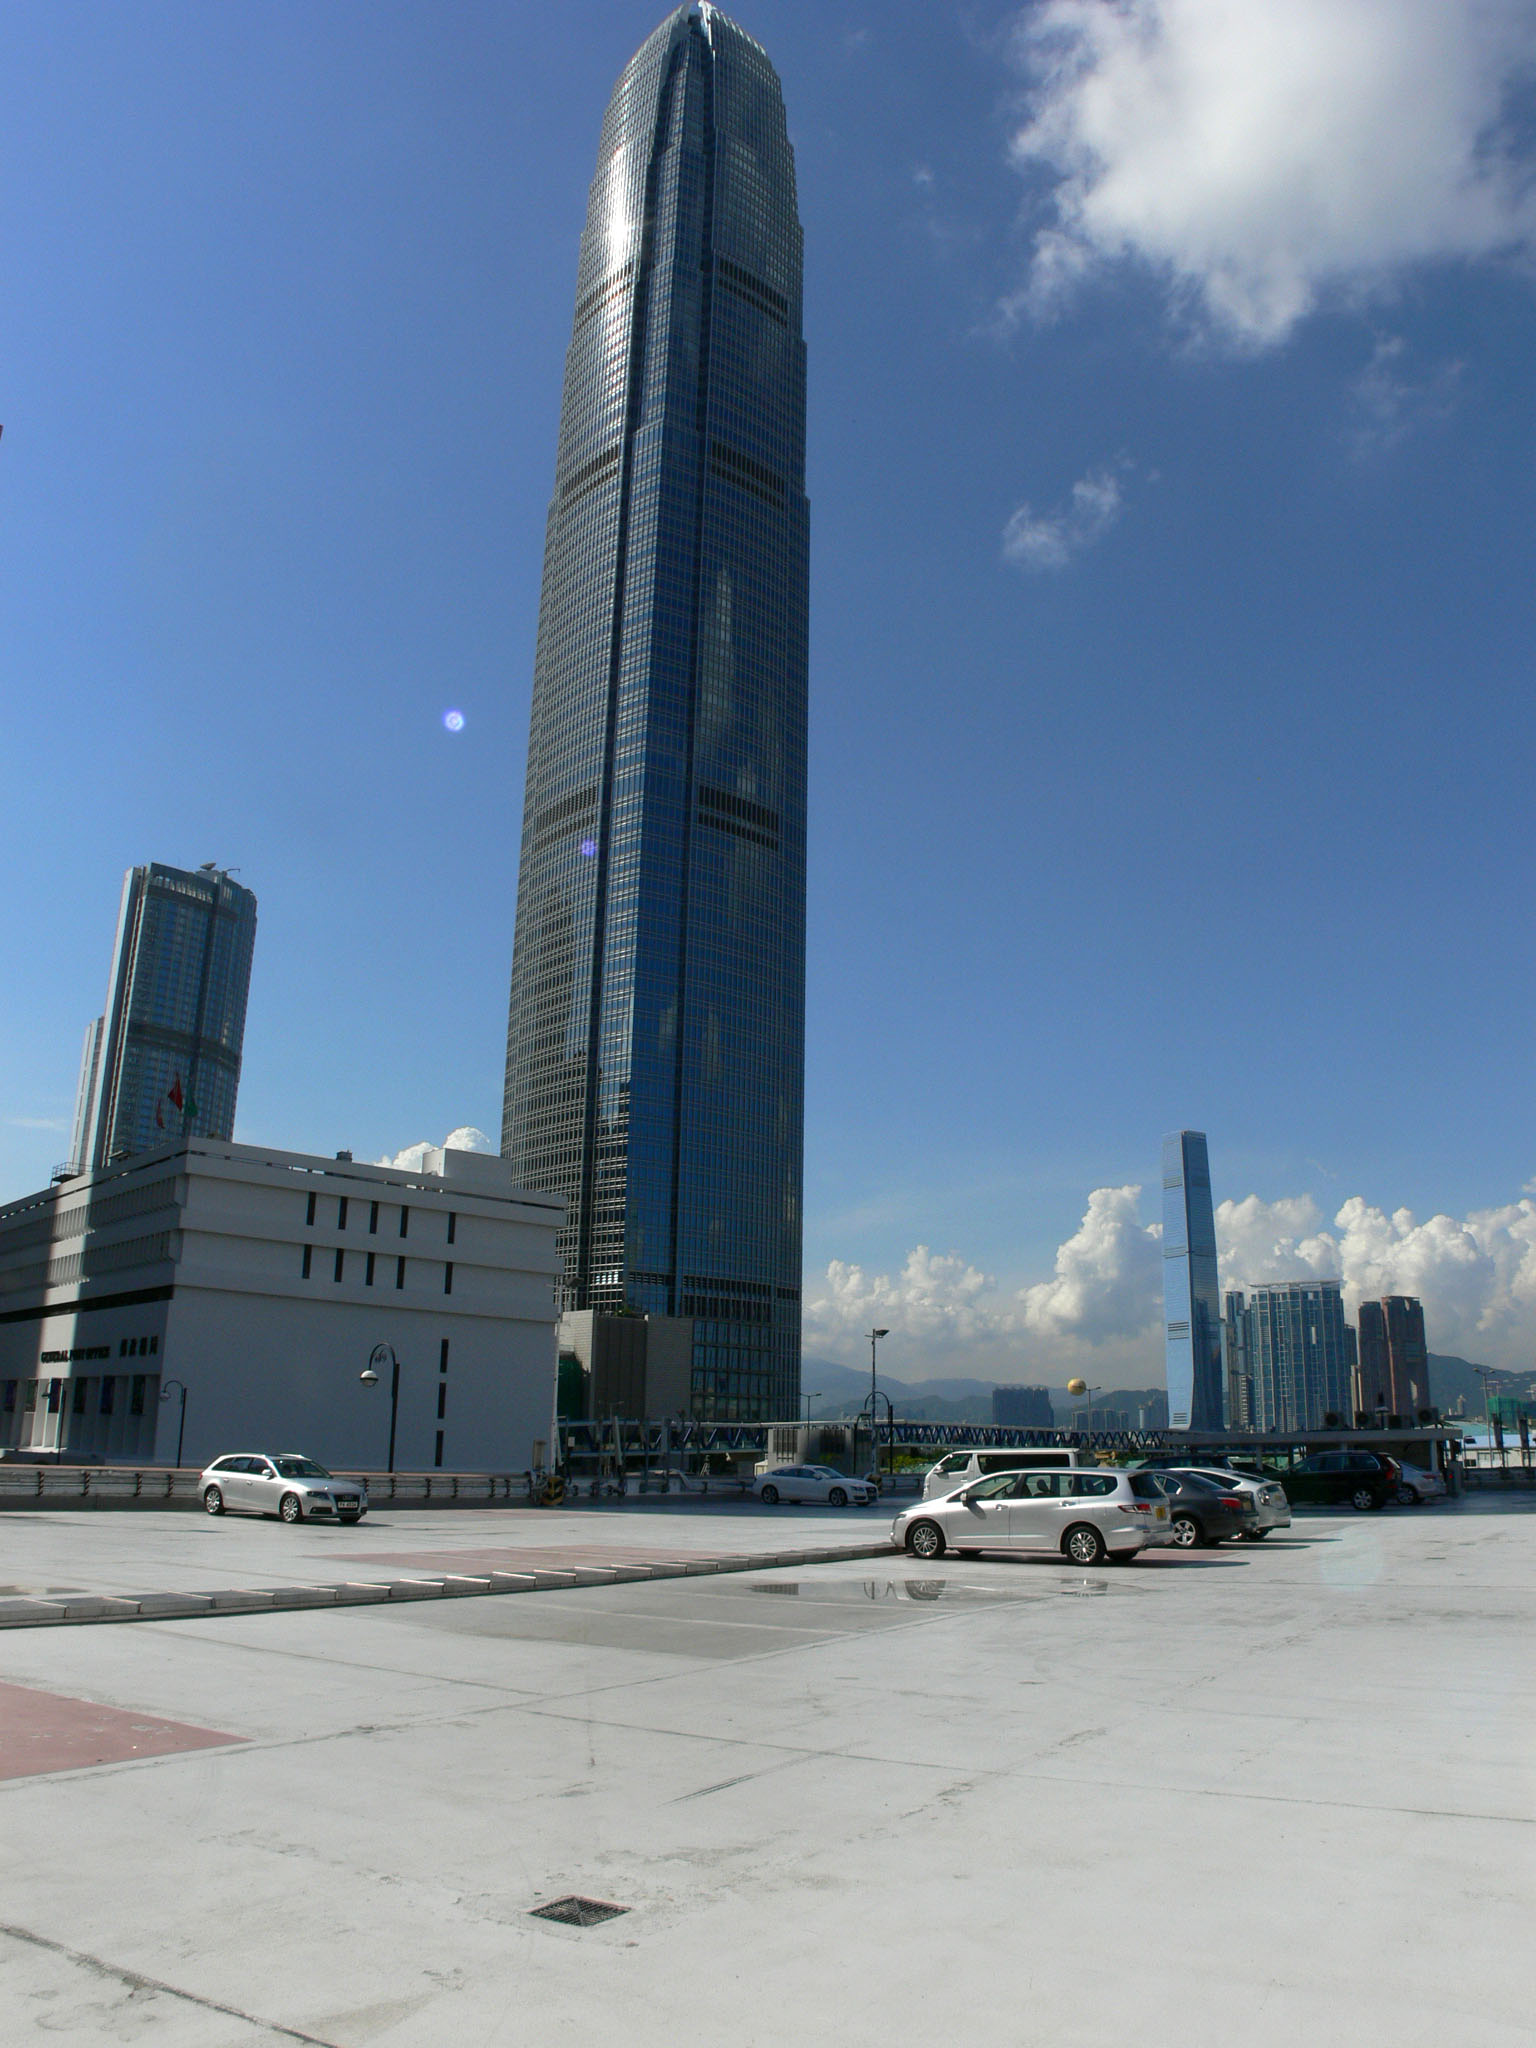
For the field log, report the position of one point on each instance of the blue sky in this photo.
(1172, 424)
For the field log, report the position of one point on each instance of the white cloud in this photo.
(1100, 1310)
(1109, 1274)
(467, 1138)
(1475, 1275)
(1390, 401)
(1267, 156)
(39, 1123)
(1049, 540)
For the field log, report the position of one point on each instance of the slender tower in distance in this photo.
(656, 1033)
(1191, 1303)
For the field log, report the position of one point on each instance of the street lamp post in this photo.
(1081, 1387)
(874, 1439)
(181, 1432)
(808, 1399)
(382, 1355)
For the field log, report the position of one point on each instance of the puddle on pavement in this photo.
(859, 1591)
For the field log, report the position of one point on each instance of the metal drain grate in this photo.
(1088, 1590)
(575, 1912)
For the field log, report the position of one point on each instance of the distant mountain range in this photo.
(842, 1389)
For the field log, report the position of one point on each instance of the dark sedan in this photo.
(1365, 1479)
(1201, 1511)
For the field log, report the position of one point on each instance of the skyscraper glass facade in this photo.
(163, 1060)
(655, 1044)
(1191, 1304)
(1300, 1354)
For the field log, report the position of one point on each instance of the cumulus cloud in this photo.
(938, 1298)
(1264, 157)
(467, 1138)
(1109, 1274)
(1476, 1275)
(1100, 1311)
(1049, 540)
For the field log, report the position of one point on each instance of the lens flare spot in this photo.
(454, 720)
(589, 847)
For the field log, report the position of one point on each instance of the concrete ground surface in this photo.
(1270, 1793)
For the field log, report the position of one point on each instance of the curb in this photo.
(82, 1608)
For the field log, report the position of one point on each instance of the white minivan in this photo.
(959, 1468)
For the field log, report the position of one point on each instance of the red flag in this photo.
(159, 1118)
(173, 1093)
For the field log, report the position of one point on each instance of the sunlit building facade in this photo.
(163, 1060)
(655, 1045)
(1300, 1354)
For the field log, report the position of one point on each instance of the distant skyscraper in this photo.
(655, 1042)
(163, 1061)
(1191, 1304)
(1300, 1353)
(1239, 1375)
(1023, 1407)
(1392, 1376)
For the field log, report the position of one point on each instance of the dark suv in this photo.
(1365, 1479)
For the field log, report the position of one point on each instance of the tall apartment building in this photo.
(1299, 1351)
(656, 1027)
(1023, 1407)
(1392, 1377)
(1191, 1304)
(163, 1060)
(1236, 1367)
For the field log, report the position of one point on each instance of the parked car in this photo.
(962, 1468)
(818, 1483)
(285, 1484)
(1202, 1512)
(1266, 1497)
(1081, 1515)
(1365, 1479)
(1414, 1485)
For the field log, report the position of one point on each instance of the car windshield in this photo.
(300, 1468)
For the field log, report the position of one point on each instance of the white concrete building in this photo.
(262, 1281)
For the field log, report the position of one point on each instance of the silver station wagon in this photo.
(1084, 1516)
(285, 1484)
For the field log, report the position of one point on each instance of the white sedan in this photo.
(1415, 1485)
(818, 1483)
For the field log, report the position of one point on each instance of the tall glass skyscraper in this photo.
(1191, 1304)
(163, 1060)
(655, 1043)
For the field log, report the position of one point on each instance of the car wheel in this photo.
(837, 1498)
(1083, 1544)
(769, 1496)
(1254, 1535)
(925, 1539)
(1406, 1497)
(291, 1508)
(1362, 1500)
(213, 1500)
(1186, 1531)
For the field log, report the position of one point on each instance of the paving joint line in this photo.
(82, 1610)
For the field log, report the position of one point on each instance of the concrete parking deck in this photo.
(1276, 1793)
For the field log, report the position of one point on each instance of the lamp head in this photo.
(368, 1376)
(879, 1333)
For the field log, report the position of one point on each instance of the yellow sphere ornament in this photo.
(1077, 1386)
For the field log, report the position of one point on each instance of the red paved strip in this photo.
(49, 1731)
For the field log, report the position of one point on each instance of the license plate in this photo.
(1160, 1514)
(346, 1500)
